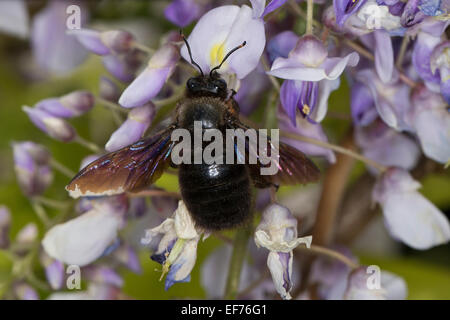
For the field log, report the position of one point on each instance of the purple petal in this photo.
(182, 12)
(345, 8)
(362, 105)
(289, 97)
(272, 6)
(281, 45)
(421, 57)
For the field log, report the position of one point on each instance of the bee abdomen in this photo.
(218, 196)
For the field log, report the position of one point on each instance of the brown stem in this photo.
(334, 186)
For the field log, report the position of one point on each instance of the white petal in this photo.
(82, 240)
(184, 224)
(281, 274)
(433, 130)
(245, 28)
(325, 89)
(414, 220)
(212, 28)
(395, 286)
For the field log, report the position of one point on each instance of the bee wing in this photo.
(131, 168)
(293, 166)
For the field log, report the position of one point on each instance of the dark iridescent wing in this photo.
(129, 169)
(294, 167)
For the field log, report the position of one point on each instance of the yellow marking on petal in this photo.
(306, 109)
(216, 54)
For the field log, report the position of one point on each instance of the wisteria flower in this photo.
(312, 77)
(409, 216)
(277, 232)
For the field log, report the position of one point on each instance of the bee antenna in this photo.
(226, 57)
(190, 53)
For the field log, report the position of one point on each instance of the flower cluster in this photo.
(394, 56)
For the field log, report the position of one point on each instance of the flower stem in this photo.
(178, 94)
(111, 105)
(40, 212)
(58, 166)
(240, 243)
(87, 144)
(330, 253)
(272, 79)
(402, 52)
(309, 17)
(143, 47)
(336, 148)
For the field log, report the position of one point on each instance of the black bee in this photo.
(217, 195)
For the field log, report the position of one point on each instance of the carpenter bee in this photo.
(218, 196)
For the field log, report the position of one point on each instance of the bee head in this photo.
(208, 85)
(212, 85)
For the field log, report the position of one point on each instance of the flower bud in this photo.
(149, 83)
(139, 119)
(55, 127)
(24, 291)
(54, 271)
(108, 90)
(117, 40)
(28, 234)
(31, 164)
(103, 275)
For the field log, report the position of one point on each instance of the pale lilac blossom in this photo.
(311, 75)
